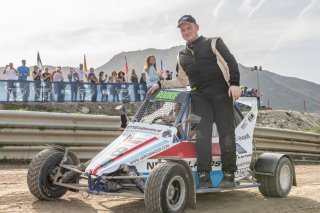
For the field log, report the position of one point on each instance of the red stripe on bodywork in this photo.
(135, 148)
(126, 153)
(95, 170)
(186, 150)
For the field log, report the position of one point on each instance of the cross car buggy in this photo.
(154, 158)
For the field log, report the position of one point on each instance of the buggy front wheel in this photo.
(167, 188)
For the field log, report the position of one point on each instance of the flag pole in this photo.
(126, 68)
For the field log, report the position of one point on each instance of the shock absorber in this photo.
(132, 171)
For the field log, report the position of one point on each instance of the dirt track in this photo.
(15, 197)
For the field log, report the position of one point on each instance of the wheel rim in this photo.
(48, 178)
(285, 177)
(176, 193)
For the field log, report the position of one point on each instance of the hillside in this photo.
(136, 59)
(282, 92)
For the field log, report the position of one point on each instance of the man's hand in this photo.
(235, 92)
(153, 88)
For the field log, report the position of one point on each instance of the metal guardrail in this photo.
(24, 134)
(286, 134)
(46, 120)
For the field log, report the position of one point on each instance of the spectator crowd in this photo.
(53, 85)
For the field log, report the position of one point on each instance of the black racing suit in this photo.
(210, 100)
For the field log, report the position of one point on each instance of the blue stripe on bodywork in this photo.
(141, 153)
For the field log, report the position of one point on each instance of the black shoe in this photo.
(204, 180)
(227, 180)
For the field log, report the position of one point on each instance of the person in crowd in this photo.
(143, 79)
(73, 75)
(23, 73)
(213, 93)
(11, 76)
(92, 78)
(142, 87)
(113, 77)
(58, 84)
(122, 90)
(257, 94)
(102, 78)
(73, 78)
(134, 76)
(81, 73)
(245, 92)
(82, 78)
(47, 90)
(121, 77)
(114, 88)
(150, 68)
(134, 79)
(103, 86)
(168, 74)
(57, 75)
(36, 76)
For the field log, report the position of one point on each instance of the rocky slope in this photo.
(282, 119)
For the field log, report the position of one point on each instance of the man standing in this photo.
(46, 77)
(23, 73)
(11, 76)
(82, 75)
(92, 78)
(73, 79)
(212, 96)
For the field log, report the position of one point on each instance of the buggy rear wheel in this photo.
(167, 188)
(280, 184)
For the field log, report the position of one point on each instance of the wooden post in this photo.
(268, 104)
(305, 105)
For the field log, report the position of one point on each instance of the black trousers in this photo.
(218, 108)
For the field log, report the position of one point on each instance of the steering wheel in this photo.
(156, 119)
(163, 120)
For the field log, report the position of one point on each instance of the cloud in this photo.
(248, 9)
(218, 8)
(299, 28)
(307, 8)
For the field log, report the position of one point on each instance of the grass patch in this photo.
(42, 128)
(315, 130)
(1, 146)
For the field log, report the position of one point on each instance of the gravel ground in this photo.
(15, 197)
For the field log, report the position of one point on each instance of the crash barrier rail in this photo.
(24, 134)
(44, 91)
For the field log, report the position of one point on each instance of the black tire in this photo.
(167, 189)
(280, 184)
(40, 173)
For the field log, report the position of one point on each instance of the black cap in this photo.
(186, 19)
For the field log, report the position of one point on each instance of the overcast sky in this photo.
(282, 36)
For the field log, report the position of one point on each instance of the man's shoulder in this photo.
(23, 68)
(184, 50)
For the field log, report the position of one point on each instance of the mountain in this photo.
(283, 92)
(136, 60)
